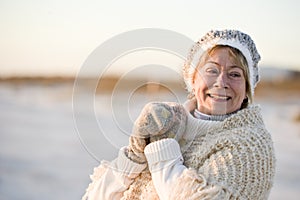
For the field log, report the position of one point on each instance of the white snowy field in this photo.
(43, 156)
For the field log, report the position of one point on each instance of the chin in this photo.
(221, 110)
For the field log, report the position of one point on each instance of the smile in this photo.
(219, 97)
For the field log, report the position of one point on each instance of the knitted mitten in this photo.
(135, 150)
(156, 121)
(170, 121)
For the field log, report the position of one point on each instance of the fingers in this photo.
(136, 149)
(137, 145)
(155, 119)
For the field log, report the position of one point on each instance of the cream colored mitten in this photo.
(157, 121)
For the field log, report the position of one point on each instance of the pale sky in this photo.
(56, 36)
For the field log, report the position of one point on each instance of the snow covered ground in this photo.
(43, 156)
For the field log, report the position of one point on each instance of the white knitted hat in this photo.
(233, 38)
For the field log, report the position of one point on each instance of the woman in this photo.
(215, 146)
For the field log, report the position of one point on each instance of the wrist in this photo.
(162, 150)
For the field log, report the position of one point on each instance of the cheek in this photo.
(199, 84)
(202, 82)
(240, 90)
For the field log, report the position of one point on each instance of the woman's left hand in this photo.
(157, 121)
(160, 120)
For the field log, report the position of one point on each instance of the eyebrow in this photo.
(233, 66)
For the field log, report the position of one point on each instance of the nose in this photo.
(221, 81)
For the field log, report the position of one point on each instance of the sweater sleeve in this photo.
(173, 180)
(111, 179)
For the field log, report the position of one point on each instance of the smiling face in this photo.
(219, 83)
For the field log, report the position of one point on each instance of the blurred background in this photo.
(43, 152)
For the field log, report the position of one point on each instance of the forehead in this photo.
(221, 52)
(222, 57)
(225, 55)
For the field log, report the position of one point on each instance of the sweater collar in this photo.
(199, 115)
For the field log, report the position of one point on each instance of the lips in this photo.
(219, 97)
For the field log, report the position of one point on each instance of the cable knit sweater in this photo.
(231, 159)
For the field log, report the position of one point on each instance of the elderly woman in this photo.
(215, 146)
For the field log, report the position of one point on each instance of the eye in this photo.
(212, 71)
(235, 74)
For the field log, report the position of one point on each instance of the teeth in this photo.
(219, 97)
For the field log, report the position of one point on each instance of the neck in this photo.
(200, 115)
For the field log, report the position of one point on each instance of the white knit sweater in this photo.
(232, 159)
